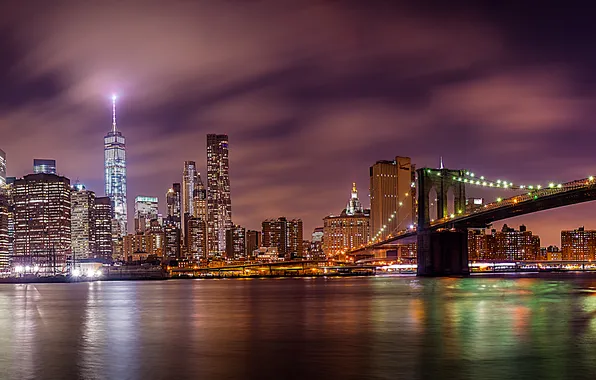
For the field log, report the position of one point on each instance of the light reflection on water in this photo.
(348, 328)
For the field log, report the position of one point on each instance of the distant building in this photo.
(140, 246)
(103, 216)
(236, 242)
(348, 230)
(173, 200)
(172, 240)
(189, 178)
(5, 242)
(553, 253)
(82, 223)
(44, 166)
(481, 246)
(473, 204)
(195, 238)
(146, 209)
(2, 168)
(316, 244)
(392, 197)
(253, 241)
(285, 235)
(42, 221)
(219, 203)
(579, 244)
(515, 245)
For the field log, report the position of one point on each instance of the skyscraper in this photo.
(103, 215)
(189, 177)
(219, 204)
(82, 223)
(115, 172)
(392, 198)
(2, 168)
(146, 209)
(44, 166)
(173, 202)
(200, 199)
(4, 235)
(42, 221)
(236, 242)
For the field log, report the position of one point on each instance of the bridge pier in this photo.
(443, 253)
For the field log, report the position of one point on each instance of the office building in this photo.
(140, 246)
(285, 235)
(392, 197)
(253, 242)
(200, 199)
(44, 166)
(173, 200)
(42, 211)
(348, 230)
(2, 169)
(172, 249)
(578, 244)
(236, 243)
(513, 245)
(195, 238)
(102, 217)
(189, 179)
(146, 209)
(316, 244)
(4, 234)
(115, 174)
(481, 246)
(82, 223)
(219, 204)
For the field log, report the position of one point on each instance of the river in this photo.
(384, 327)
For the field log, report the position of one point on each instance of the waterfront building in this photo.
(195, 238)
(46, 166)
(42, 221)
(285, 235)
(578, 244)
(140, 246)
(173, 200)
(348, 230)
(219, 204)
(553, 253)
(102, 218)
(82, 223)
(2, 169)
(236, 242)
(513, 245)
(4, 234)
(146, 209)
(316, 244)
(253, 242)
(481, 246)
(115, 173)
(392, 197)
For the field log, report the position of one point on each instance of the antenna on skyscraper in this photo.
(114, 113)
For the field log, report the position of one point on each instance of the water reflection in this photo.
(353, 328)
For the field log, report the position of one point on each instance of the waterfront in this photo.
(349, 328)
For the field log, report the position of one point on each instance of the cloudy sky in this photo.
(310, 94)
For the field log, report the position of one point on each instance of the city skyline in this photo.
(289, 119)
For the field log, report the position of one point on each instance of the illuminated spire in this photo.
(114, 113)
(441, 158)
(354, 190)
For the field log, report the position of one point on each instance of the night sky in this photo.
(310, 93)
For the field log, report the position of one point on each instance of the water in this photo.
(340, 328)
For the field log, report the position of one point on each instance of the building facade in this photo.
(392, 197)
(115, 173)
(348, 230)
(2, 168)
(219, 204)
(173, 201)
(513, 245)
(253, 242)
(82, 223)
(146, 209)
(196, 238)
(189, 179)
(5, 241)
(578, 244)
(102, 218)
(42, 212)
(236, 242)
(46, 166)
(285, 235)
(172, 241)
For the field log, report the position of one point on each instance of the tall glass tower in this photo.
(219, 204)
(115, 172)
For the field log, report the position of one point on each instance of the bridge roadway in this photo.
(583, 190)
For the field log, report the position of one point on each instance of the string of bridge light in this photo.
(472, 179)
(391, 217)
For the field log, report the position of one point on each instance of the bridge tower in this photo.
(441, 252)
